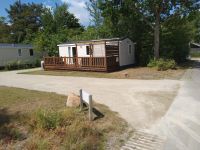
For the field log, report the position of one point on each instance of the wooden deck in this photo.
(109, 63)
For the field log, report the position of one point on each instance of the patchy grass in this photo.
(39, 120)
(131, 73)
(145, 73)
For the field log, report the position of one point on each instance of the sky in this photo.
(77, 7)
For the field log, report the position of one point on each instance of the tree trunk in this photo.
(157, 36)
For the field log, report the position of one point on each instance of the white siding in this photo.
(125, 58)
(63, 51)
(66, 51)
(99, 50)
(82, 51)
(11, 54)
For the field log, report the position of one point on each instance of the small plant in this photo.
(47, 119)
(162, 64)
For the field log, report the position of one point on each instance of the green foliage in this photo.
(14, 65)
(59, 26)
(4, 31)
(47, 119)
(95, 12)
(162, 64)
(25, 21)
(175, 37)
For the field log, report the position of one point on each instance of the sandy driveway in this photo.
(140, 102)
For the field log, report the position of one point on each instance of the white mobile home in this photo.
(94, 55)
(16, 52)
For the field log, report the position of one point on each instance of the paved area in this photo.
(140, 102)
(181, 124)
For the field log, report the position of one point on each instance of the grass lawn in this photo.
(132, 73)
(39, 120)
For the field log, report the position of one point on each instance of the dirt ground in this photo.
(143, 73)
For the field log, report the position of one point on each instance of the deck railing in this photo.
(81, 63)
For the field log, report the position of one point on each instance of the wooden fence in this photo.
(82, 63)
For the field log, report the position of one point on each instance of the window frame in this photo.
(87, 50)
(19, 52)
(31, 53)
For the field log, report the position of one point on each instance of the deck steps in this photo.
(144, 141)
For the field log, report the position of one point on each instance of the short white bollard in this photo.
(42, 65)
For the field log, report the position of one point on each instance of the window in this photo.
(88, 50)
(31, 52)
(129, 49)
(19, 52)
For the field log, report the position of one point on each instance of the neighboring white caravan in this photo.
(17, 52)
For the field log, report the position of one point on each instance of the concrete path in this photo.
(132, 99)
(181, 124)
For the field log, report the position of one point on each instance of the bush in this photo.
(47, 119)
(14, 65)
(162, 64)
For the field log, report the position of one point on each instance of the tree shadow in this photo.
(5, 117)
(8, 129)
(196, 64)
(190, 64)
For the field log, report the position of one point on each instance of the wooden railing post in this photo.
(65, 61)
(54, 61)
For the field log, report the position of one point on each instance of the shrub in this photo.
(14, 65)
(162, 64)
(47, 119)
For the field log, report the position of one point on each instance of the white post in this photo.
(81, 100)
(90, 108)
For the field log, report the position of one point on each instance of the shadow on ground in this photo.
(8, 129)
(190, 64)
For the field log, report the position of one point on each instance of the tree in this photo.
(195, 19)
(176, 33)
(57, 27)
(95, 12)
(121, 20)
(25, 20)
(143, 20)
(4, 31)
(64, 19)
(156, 12)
